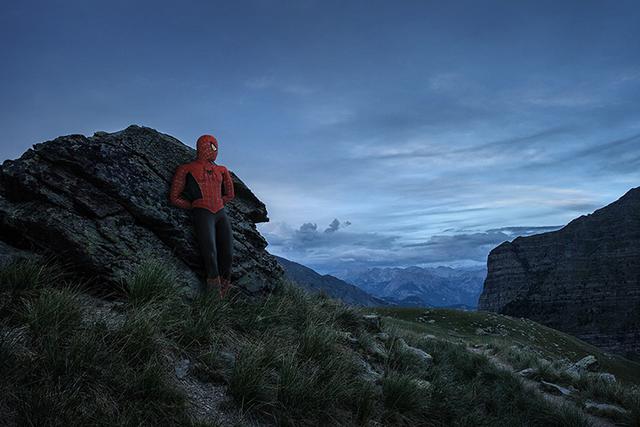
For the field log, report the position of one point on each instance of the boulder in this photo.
(606, 377)
(100, 204)
(367, 372)
(422, 355)
(587, 363)
(598, 408)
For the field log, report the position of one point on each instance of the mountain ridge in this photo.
(419, 286)
(312, 281)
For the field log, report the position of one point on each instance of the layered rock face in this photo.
(583, 279)
(101, 205)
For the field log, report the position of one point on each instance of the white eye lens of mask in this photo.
(213, 147)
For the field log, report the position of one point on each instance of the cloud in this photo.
(502, 148)
(338, 249)
(616, 156)
(513, 232)
(333, 227)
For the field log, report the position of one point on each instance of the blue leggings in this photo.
(215, 239)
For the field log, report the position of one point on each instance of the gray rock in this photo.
(596, 408)
(581, 279)
(555, 388)
(607, 377)
(101, 204)
(372, 322)
(491, 330)
(587, 363)
(528, 372)
(367, 371)
(182, 368)
(348, 337)
(382, 336)
(377, 350)
(420, 354)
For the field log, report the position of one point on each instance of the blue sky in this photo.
(431, 131)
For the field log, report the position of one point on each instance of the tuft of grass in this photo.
(135, 340)
(251, 378)
(565, 416)
(28, 274)
(634, 407)
(152, 282)
(53, 312)
(403, 398)
(398, 358)
(198, 324)
(364, 400)
(317, 340)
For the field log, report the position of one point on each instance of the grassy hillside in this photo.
(504, 331)
(521, 344)
(149, 357)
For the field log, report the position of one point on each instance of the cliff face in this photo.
(100, 204)
(583, 279)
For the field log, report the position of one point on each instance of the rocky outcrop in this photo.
(583, 279)
(100, 204)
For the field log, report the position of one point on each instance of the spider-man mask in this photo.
(207, 147)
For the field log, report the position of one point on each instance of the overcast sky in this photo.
(431, 131)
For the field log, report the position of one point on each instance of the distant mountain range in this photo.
(421, 287)
(313, 281)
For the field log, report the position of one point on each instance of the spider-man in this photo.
(205, 187)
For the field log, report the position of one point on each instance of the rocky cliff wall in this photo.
(583, 279)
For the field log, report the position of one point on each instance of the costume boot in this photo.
(213, 285)
(226, 286)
